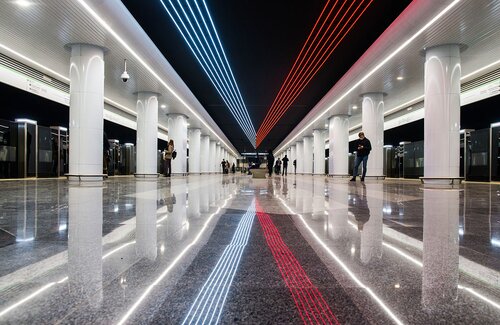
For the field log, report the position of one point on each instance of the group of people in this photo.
(278, 165)
(226, 166)
(363, 147)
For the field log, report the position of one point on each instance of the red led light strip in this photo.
(308, 64)
(311, 305)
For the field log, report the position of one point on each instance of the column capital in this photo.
(147, 92)
(195, 129)
(70, 46)
(173, 115)
(345, 115)
(462, 47)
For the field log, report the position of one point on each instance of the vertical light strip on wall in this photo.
(198, 31)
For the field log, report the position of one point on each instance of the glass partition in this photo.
(46, 158)
(478, 164)
(8, 149)
(495, 154)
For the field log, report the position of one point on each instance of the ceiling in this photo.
(262, 39)
(399, 52)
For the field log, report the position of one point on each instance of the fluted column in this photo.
(319, 152)
(205, 153)
(338, 161)
(213, 152)
(86, 109)
(373, 127)
(194, 151)
(177, 130)
(307, 159)
(147, 135)
(299, 156)
(442, 114)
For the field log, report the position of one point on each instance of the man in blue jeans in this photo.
(364, 147)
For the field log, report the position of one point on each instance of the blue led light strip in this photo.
(210, 301)
(205, 44)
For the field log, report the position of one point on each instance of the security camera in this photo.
(125, 76)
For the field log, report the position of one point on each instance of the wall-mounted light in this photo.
(399, 78)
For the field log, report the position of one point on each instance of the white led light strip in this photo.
(216, 68)
(171, 266)
(212, 296)
(375, 69)
(345, 268)
(149, 69)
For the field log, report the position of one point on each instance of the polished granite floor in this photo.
(235, 250)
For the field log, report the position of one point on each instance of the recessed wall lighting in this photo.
(23, 3)
(163, 106)
(399, 78)
(355, 107)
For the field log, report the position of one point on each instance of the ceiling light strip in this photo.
(150, 69)
(316, 66)
(203, 52)
(299, 88)
(306, 66)
(307, 73)
(372, 71)
(220, 85)
(301, 55)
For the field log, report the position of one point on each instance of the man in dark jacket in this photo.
(364, 147)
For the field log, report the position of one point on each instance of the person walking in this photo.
(167, 157)
(295, 166)
(285, 165)
(364, 147)
(270, 162)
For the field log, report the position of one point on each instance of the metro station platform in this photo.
(236, 250)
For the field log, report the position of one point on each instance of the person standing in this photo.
(270, 162)
(285, 165)
(295, 166)
(364, 147)
(167, 157)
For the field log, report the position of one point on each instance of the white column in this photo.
(86, 112)
(205, 153)
(373, 127)
(299, 155)
(147, 134)
(213, 149)
(338, 161)
(177, 130)
(218, 158)
(442, 112)
(307, 158)
(145, 208)
(319, 152)
(194, 151)
(441, 246)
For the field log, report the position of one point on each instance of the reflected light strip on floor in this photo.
(419, 263)
(309, 301)
(47, 286)
(218, 283)
(344, 266)
(172, 264)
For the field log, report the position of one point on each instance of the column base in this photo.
(86, 178)
(441, 180)
(379, 177)
(180, 174)
(148, 176)
(340, 176)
